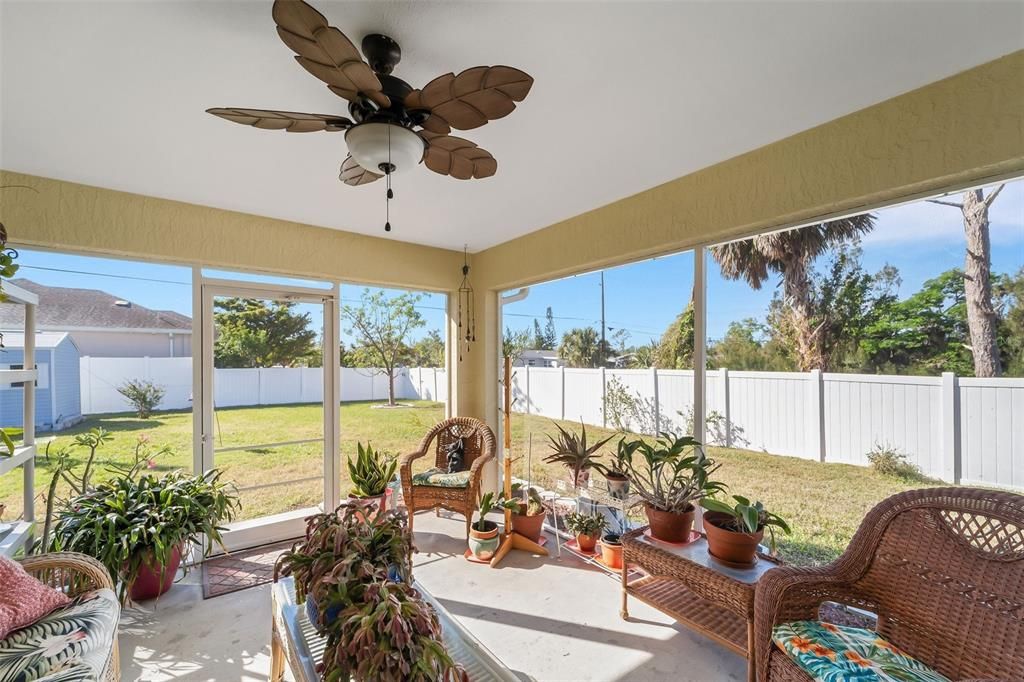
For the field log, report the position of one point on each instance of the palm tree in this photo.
(791, 254)
(581, 347)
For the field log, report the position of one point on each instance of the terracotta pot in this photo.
(148, 584)
(483, 543)
(586, 543)
(378, 502)
(528, 526)
(618, 486)
(669, 526)
(611, 554)
(727, 545)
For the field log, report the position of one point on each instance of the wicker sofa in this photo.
(436, 489)
(72, 643)
(942, 567)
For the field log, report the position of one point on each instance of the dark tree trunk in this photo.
(391, 387)
(981, 314)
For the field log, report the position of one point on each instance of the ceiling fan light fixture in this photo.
(375, 145)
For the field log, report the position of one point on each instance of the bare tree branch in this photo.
(946, 203)
(992, 197)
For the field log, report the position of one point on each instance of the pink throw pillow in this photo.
(23, 599)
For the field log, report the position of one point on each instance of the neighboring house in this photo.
(538, 358)
(58, 399)
(103, 325)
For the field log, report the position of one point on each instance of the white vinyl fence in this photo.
(100, 378)
(961, 430)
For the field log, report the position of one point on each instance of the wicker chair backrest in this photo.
(945, 567)
(476, 437)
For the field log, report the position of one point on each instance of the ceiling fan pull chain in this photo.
(390, 195)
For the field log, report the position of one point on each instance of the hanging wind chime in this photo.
(467, 309)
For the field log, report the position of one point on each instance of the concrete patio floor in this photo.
(545, 618)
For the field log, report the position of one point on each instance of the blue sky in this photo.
(921, 239)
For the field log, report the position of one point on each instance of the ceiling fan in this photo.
(393, 126)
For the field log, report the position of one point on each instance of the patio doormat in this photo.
(241, 570)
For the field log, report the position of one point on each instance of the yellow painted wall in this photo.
(967, 129)
(69, 216)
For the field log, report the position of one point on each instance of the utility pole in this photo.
(602, 347)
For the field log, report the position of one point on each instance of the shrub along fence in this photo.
(957, 429)
(100, 378)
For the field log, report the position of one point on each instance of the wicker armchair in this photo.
(480, 448)
(944, 570)
(75, 574)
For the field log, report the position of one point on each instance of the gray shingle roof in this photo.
(61, 308)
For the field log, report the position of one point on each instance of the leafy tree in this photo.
(1010, 292)
(924, 334)
(381, 326)
(514, 343)
(428, 351)
(791, 254)
(748, 345)
(581, 347)
(982, 317)
(539, 340)
(550, 335)
(256, 333)
(841, 301)
(644, 356)
(620, 337)
(675, 350)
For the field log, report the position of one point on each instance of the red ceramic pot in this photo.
(148, 584)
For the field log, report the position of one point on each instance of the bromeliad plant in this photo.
(573, 452)
(354, 572)
(134, 520)
(586, 527)
(371, 471)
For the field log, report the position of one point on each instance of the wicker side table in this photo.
(688, 584)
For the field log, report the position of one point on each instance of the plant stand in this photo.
(510, 540)
(693, 587)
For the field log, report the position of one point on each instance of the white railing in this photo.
(100, 378)
(961, 430)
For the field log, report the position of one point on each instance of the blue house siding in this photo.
(12, 400)
(58, 393)
(66, 376)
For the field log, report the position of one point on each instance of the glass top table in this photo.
(297, 643)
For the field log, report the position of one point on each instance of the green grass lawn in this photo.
(824, 503)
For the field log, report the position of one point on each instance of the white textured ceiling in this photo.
(627, 95)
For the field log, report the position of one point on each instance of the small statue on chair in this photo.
(456, 456)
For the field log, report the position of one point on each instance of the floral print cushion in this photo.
(441, 478)
(70, 644)
(835, 653)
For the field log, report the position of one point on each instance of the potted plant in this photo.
(371, 472)
(615, 472)
(138, 526)
(528, 517)
(586, 527)
(611, 550)
(343, 543)
(735, 530)
(572, 452)
(483, 534)
(671, 475)
(353, 575)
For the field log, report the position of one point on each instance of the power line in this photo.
(105, 274)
